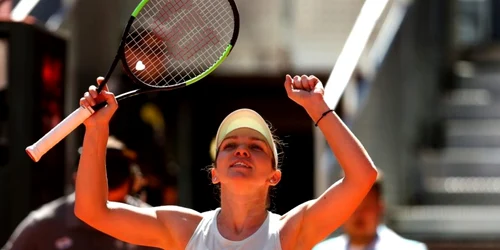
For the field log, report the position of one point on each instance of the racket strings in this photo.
(178, 40)
(224, 24)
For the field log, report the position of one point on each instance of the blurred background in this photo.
(423, 96)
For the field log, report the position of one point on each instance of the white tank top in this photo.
(207, 235)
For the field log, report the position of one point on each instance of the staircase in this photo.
(467, 170)
(461, 180)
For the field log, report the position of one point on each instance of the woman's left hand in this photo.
(307, 91)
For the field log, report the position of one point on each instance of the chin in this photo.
(244, 183)
(239, 175)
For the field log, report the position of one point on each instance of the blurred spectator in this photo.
(364, 230)
(55, 226)
(140, 124)
(147, 129)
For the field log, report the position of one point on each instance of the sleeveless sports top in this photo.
(207, 235)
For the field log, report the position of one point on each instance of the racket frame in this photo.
(120, 56)
(75, 119)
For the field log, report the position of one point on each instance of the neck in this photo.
(241, 214)
(362, 240)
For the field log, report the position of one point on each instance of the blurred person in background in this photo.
(364, 230)
(54, 225)
(144, 113)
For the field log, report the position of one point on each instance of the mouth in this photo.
(240, 164)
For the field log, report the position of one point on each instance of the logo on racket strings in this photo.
(186, 27)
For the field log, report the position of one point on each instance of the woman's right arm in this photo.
(139, 226)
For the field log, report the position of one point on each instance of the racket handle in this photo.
(59, 132)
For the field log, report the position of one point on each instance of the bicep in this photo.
(322, 216)
(135, 225)
(335, 206)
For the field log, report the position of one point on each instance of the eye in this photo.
(256, 147)
(229, 145)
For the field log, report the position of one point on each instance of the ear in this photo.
(275, 178)
(381, 209)
(381, 206)
(213, 174)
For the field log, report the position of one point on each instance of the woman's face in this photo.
(244, 158)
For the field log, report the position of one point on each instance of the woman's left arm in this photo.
(321, 216)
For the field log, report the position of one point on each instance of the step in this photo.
(460, 199)
(490, 111)
(461, 155)
(486, 82)
(456, 190)
(461, 97)
(472, 133)
(447, 221)
(473, 69)
(460, 170)
(472, 185)
(472, 141)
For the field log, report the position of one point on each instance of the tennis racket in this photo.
(166, 45)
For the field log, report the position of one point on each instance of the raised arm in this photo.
(318, 218)
(139, 226)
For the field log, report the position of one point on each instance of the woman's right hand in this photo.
(92, 98)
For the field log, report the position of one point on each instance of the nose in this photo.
(242, 151)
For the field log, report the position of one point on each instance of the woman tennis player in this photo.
(246, 166)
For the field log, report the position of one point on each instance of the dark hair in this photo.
(118, 168)
(378, 186)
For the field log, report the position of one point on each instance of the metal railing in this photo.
(358, 56)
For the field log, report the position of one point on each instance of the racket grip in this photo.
(59, 132)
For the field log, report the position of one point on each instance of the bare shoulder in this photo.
(180, 221)
(178, 212)
(168, 227)
(291, 224)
